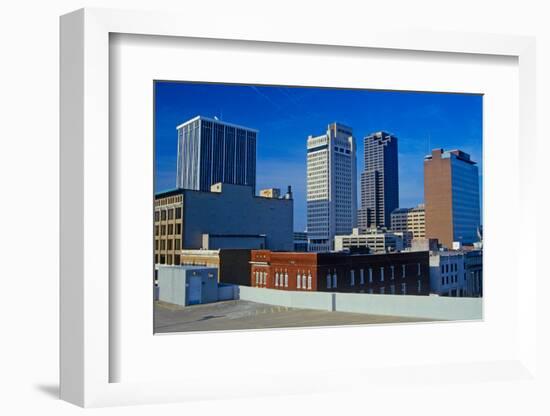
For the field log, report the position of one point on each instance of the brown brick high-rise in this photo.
(451, 195)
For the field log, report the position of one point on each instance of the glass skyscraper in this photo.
(212, 151)
(451, 193)
(379, 181)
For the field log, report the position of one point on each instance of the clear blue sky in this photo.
(285, 116)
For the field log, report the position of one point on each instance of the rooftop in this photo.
(216, 120)
(240, 314)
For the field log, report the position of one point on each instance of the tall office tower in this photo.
(212, 151)
(379, 181)
(331, 186)
(451, 196)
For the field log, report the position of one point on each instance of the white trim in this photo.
(87, 363)
(216, 121)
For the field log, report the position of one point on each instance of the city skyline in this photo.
(286, 116)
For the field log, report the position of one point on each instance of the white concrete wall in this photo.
(428, 307)
(291, 299)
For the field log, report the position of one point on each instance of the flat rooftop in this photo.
(240, 314)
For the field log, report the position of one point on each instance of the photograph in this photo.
(283, 206)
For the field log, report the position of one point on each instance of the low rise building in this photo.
(229, 216)
(456, 273)
(375, 240)
(447, 277)
(233, 265)
(473, 269)
(395, 273)
(187, 285)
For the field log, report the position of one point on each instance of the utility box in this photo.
(188, 285)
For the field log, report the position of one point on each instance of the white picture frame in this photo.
(85, 351)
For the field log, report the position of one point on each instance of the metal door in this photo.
(194, 290)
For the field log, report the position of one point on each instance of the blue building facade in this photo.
(379, 181)
(211, 151)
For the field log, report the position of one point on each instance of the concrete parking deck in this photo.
(239, 314)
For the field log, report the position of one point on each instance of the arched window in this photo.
(329, 286)
(309, 280)
(352, 277)
(276, 279)
(304, 280)
(298, 281)
(334, 280)
(286, 278)
(381, 274)
(362, 276)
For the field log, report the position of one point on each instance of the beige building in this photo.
(410, 219)
(374, 239)
(168, 229)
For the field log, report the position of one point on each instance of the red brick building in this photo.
(395, 273)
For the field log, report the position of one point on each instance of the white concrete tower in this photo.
(331, 186)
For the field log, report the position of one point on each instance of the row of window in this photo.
(168, 244)
(449, 267)
(170, 228)
(170, 213)
(167, 259)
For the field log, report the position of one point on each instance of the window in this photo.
(419, 272)
(163, 215)
(442, 281)
(156, 244)
(381, 274)
(276, 279)
(170, 214)
(392, 289)
(328, 281)
(370, 275)
(265, 278)
(170, 229)
(352, 278)
(163, 244)
(303, 281)
(169, 259)
(177, 245)
(176, 259)
(178, 229)
(392, 272)
(403, 267)
(178, 213)
(404, 288)
(309, 281)
(157, 215)
(163, 230)
(419, 288)
(169, 244)
(257, 278)
(286, 279)
(156, 258)
(362, 276)
(156, 230)
(334, 280)
(298, 281)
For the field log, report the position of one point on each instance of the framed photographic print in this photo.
(255, 206)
